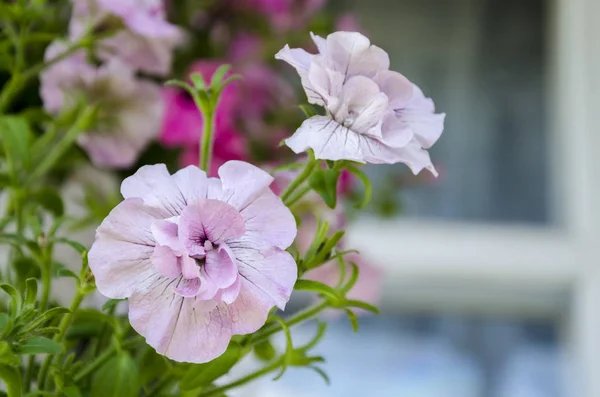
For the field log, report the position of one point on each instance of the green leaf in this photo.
(318, 287)
(152, 366)
(59, 270)
(366, 183)
(321, 373)
(50, 200)
(72, 391)
(40, 345)
(324, 182)
(289, 348)
(119, 377)
(218, 75)
(7, 356)
(4, 321)
(16, 136)
(204, 374)
(26, 267)
(45, 317)
(5, 180)
(31, 292)
(353, 319)
(265, 350)
(12, 378)
(308, 110)
(109, 304)
(198, 81)
(15, 299)
(362, 305)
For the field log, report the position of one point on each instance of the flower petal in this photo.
(220, 268)
(212, 220)
(296, 57)
(426, 125)
(269, 220)
(183, 329)
(320, 42)
(188, 288)
(166, 262)
(230, 294)
(272, 272)
(120, 255)
(250, 310)
(189, 269)
(242, 183)
(398, 88)
(192, 182)
(165, 233)
(155, 186)
(352, 54)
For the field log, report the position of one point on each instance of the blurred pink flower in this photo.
(200, 259)
(368, 285)
(284, 15)
(347, 22)
(144, 40)
(374, 115)
(128, 113)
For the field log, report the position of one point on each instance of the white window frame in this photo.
(548, 261)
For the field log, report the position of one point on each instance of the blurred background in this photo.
(491, 287)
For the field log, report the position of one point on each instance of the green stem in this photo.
(46, 280)
(296, 319)
(163, 384)
(246, 379)
(298, 195)
(104, 357)
(29, 373)
(64, 144)
(64, 326)
(208, 115)
(300, 179)
(12, 379)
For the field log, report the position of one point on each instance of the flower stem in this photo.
(286, 196)
(296, 319)
(246, 379)
(64, 326)
(206, 143)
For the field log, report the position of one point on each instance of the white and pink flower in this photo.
(145, 40)
(374, 115)
(129, 109)
(200, 259)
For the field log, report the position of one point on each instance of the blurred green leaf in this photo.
(15, 299)
(50, 200)
(119, 377)
(324, 182)
(40, 345)
(12, 379)
(318, 287)
(218, 75)
(109, 304)
(7, 356)
(204, 374)
(265, 350)
(16, 136)
(31, 289)
(72, 391)
(198, 81)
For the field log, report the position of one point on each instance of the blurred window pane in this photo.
(484, 62)
(430, 356)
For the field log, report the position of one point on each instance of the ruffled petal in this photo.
(352, 54)
(426, 125)
(250, 310)
(183, 329)
(220, 268)
(398, 88)
(165, 233)
(120, 255)
(192, 182)
(189, 269)
(271, 271)
(165, 261)
(154, 185)
(242, 183)
(230, 294)
(296, 57)
(188, 288)
(269, 220)
(212, 220)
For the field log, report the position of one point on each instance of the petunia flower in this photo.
(374, 115)
(129, 110)
(200, 259)
(145, 40)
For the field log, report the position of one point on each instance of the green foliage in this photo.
(119, 377)
(202, 375)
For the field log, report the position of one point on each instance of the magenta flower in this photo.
(200, 259)
(129, 109)
(146, 41)
(373, 114)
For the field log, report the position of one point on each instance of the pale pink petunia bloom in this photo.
(374, 115)
(200, 259)
(145, 40)
(368, 285)
(129, 109)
